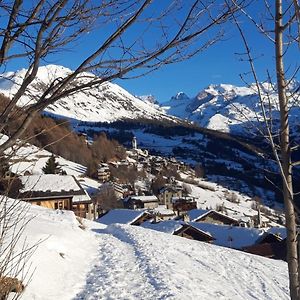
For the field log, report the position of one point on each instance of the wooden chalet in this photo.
(146, 216)
(215, 217)
(53, 191)
(275, 250)
(162, 213)
(190, 232)
(268, 238)
(138, 202)
(182, 205)
(103, 172)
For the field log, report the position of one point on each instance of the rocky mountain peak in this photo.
(181, 96)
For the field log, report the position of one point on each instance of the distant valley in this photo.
(216, 129)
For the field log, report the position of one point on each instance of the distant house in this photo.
(275, 248)
(193, 233)
(230, 236)
(212, 217)
(269, 237)
(183, 205)
(137, 202)
(166, 194)
(180, 228)
(125, 216)
(53, 191)
(162, 213)
(103, 172)
(119, 190)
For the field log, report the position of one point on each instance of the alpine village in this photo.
(111, 188)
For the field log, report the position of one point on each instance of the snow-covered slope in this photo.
(31, 159)
(128, 262)
(229, 108)
(103, 103)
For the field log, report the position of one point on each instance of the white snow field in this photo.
(128, 262)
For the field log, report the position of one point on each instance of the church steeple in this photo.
(134, 143)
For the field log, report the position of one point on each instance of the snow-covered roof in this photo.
(48, 186)
(169, 226)
(181, 199)
(173, 189)
(230, 236)
(81, 198)
(281, 231)
(122, 216)
(161, 209)
(195, 214)
(49, 182)
(145, 199)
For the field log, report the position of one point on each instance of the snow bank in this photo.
(63, 252)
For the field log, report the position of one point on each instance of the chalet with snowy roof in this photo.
(269, 245)
(125, 216)
(53, 191)
(230, 236)
(119, 189)
(103, 172)
(162, 213)
(177, 164)
(138, 202)
(180, 228)
(190, 232)
(183, 205)
(211, 216)
(269, 237)
(166, 194)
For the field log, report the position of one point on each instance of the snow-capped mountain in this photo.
(180, 96)
(230, 108)
(103, 103)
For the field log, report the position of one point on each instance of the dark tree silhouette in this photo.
(52, 166)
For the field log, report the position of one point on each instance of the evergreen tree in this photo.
(52, 166)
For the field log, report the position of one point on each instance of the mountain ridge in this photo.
(106, 102)
(232, 109)
(222, 107)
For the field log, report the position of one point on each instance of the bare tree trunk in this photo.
(290, 215)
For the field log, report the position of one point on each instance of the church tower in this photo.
(134, 143)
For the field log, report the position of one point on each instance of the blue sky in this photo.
(218, 64)
(221, 63)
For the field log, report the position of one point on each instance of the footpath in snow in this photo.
(136, 263)
(119, 262)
